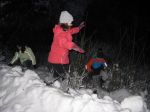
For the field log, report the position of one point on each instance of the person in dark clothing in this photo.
(96, 66)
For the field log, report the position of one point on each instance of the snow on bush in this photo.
(26, 92)
(135, 104)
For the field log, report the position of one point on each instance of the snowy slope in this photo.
(26, 92)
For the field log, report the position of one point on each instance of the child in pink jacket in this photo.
(62, 43)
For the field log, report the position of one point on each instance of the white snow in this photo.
(134, 103)
(26, 92)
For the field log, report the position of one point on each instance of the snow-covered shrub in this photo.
(125, 75)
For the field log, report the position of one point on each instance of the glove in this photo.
(10, 64)
(78, 49)
(81, 51)
(105, 64)
(34, 66)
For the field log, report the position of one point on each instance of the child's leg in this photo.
(60, 70)
(27, 63)
(97, 79)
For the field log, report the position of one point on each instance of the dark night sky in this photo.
(108, 18)
(110, 14)
(104, 16)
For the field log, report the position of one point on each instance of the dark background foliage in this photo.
(31, 21)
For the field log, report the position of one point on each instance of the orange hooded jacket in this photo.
(88, 66)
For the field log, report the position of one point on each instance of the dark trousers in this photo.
(27, 63)
(96, 73)
(60, 70)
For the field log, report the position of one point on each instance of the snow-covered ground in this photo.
(26, 92)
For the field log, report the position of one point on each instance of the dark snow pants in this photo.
(26, 64)
(95, 73)
(60, 70)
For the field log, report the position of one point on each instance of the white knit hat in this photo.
(66, 17)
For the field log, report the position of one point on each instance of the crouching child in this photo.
(24, 57)
(96, 68)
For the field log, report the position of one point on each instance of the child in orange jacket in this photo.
(95, 65)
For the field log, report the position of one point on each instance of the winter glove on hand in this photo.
(81, 25)
(10, 64)
(81, 51)
(34, 66)
(78, 49)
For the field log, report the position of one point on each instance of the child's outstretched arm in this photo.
(70, 45)
(77, 29)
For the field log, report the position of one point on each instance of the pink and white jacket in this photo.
(62, 43)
